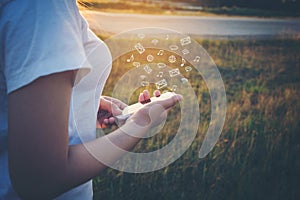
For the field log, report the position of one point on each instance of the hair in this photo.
(79, 4)
(82, 5)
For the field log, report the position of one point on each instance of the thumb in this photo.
(110, 107)
(169, 102)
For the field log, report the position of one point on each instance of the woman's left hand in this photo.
(109, 107)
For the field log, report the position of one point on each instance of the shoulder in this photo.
(40, 12)
(39, 38)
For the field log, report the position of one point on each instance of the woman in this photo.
(43, 48)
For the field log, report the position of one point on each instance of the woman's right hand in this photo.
(153, 113)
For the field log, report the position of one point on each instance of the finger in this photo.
(110, 106)
(141, 98)
(105, 121)
(115, 109)
(168, 103)
(111, 120)
(119, 103)
(146, 95)
(103, 118)
(156, 93)
(105, 104)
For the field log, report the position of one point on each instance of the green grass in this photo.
(257, 155)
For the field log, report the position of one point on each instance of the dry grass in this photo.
(257, 154)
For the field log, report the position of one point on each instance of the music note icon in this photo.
(130, 59)
(182, 62)
(160, 52)
(197, 59)
(160, 75)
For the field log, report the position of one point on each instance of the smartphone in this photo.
(129, 110)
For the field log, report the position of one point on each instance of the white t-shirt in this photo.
(38, 38)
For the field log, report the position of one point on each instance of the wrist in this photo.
(134, 129)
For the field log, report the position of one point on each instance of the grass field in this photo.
(257, 155)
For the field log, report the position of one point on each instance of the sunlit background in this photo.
(230, 7)
(256, 46)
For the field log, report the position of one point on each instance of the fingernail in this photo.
(141, 97)
(146, 101)
(156, 93)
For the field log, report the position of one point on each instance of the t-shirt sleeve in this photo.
(41, 39)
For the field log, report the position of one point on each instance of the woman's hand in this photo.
(153, 113)
(38, 142)
(109, 107)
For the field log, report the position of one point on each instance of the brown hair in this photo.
(82, 5)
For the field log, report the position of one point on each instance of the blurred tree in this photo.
(284, 5)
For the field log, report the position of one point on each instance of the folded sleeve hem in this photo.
(16, 83)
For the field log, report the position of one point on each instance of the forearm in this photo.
(89, 159)
(85, 161)
(41, 163)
